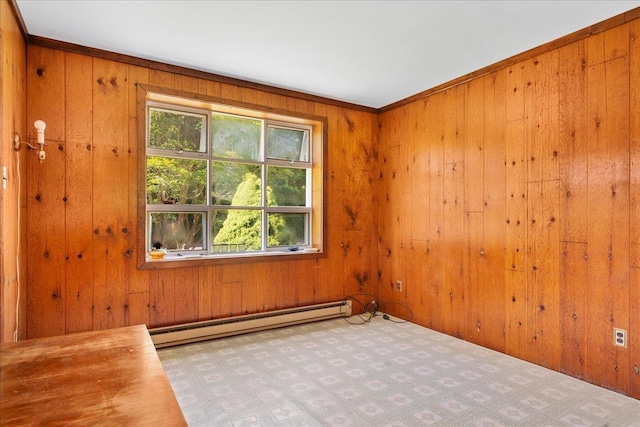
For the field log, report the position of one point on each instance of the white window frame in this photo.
(311, 246)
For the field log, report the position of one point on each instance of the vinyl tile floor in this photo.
(379, 373)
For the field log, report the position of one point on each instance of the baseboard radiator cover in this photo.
(218, 328)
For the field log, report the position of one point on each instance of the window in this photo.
(225, 181)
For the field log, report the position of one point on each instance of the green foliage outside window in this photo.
(233, 183)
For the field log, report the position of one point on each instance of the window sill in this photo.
(197, 260)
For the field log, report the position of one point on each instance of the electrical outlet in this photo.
(620, 337)
(399, 285)
(5, 177)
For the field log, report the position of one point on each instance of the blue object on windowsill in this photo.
(293, 248)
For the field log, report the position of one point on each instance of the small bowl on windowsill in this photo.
(157, 253)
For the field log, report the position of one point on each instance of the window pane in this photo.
(287, 186)
(287, 229)
(288, 144)
(236, 137)
(181, 181)
(177, 230)
(177, 130)
(235, 184)
(236, 230)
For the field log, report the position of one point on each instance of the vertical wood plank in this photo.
(46, 247)
(634, 146)
(138, 279)
(573, 308)
(516, 302)
(111, 218)
(452, 117)
(608, 221)
(634, 333)
(474, 145)
(475, 280)
(186, 295)
(453, 249)
(162, 297)
(494, 210)
(138, 309)
(514, 95)
(541, 109)
(438, 296)
(572, 140)
(78, 180)
(543, 262)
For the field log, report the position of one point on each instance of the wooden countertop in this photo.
(111, 377)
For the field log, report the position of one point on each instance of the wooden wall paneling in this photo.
(209, 87)
(138, 309)
(186, 295)
(358, 262)
(634, 333)
(452, 230)
(474, 145)
(516, 338)
(12, 202)
(634, 226)
(438, 295)
(383, 238)
(229, 91)
(112, 220)
(390, 220)
(208, 300)
(46, 246)
(453, 120)
(307, 107)
(231, 274)
(419, 176)
(541, 110)
(304, 275)
(258, 274)
(45, 91)
(78, 186)
(231, 298)
(634, 133)
(162, 297)
(608, 111)
(514, 95)
(515, 169)
(573, 308)
(494, 227)
(417, 267)
(187, 83)
(249, 95)
(475, 281)
(572, 140)
(416, 284)
(516, 196)
(138, 279)
(543, 264)
(162, 79)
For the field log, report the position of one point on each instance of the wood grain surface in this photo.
(99, 378)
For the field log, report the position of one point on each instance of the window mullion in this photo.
(265, 223)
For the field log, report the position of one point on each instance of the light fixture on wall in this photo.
(40, 127)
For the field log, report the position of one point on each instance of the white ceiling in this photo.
(371, 53)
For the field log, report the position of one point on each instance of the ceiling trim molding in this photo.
(526, 55)
(161, 66)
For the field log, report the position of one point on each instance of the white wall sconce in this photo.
(40, 127)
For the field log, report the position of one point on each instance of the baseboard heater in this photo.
(218, 328)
